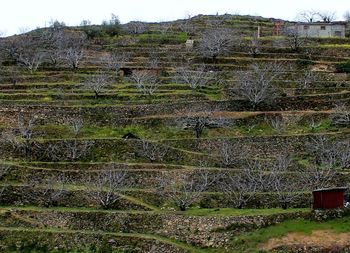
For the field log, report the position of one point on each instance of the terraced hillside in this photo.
(139, 143)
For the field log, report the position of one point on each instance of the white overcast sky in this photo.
(16, 15)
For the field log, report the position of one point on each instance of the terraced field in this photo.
(179, 170)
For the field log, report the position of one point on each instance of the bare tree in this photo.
(230, 153)
(341, 115)
(308, 79)
(73, 48)
(184, 189)
(70, 150)
(284, 184)
(146, 81)
(256, 85)
(195, 78)
(97, 83)
(187, 26)
(198, 121)
(153, 151)
(254, 45)
(164, 27)
(75, 123)
(26, 125)
(277, 123)
(23, 143)
(115, 61)
(316, 177)
(241, 186)
(106, 186)
(332, 154)
(52, 190)
(327, 16)
(55, 41)
(153, 60)
(31, 59)
(215, 42)
(294, 38)
(26, 50)
(308, 16)
(217, 21)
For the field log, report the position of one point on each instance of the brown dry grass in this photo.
(318, 238)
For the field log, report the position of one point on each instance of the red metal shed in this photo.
(329, 198)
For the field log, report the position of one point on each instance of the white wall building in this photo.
(321, 29)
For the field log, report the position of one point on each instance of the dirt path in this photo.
(320, 238)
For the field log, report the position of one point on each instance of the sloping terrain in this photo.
(149, 145)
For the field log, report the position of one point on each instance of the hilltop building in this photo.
(321, 29)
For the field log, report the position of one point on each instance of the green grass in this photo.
(157, 130)
(241, 212)
(347, 46)
(248, 242)
(166, 38)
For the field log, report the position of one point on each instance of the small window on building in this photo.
(306, 27)
(338, 33)
(323, 27)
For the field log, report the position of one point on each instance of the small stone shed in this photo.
(329, 198)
